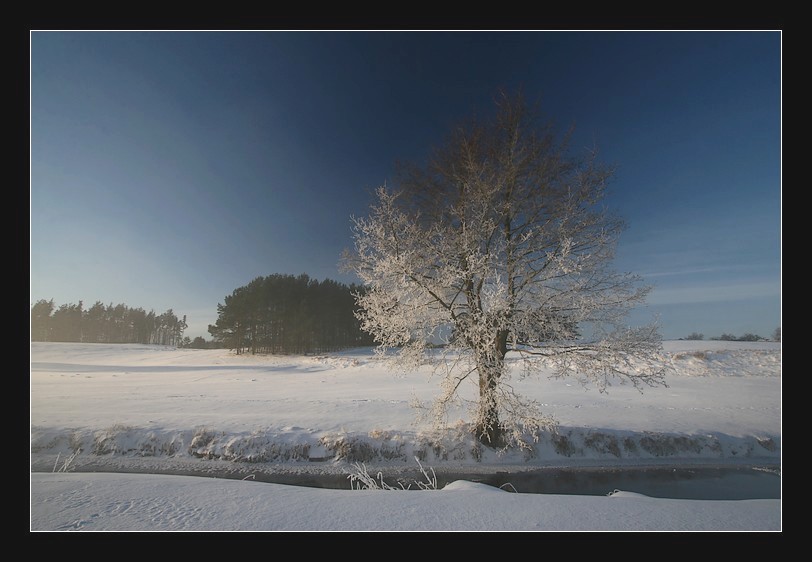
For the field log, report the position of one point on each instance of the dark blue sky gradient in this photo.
(169, 168)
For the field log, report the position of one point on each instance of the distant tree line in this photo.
(289, 314)
(745, 337)
(104, 324)
(776, 336)
(199, 343)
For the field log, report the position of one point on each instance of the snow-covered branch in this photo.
(501, 243)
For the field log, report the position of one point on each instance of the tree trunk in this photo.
(489, 429)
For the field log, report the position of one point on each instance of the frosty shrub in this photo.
(362, 480)
(67, 463)
(501, 244)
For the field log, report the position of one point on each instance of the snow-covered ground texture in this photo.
(112, 402)
(149, 502)
(151, 409)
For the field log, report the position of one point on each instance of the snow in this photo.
(152, 411)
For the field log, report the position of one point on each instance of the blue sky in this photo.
(169, 168)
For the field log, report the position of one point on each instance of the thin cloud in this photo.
(686, 271)
(696, 270)
(718, 293)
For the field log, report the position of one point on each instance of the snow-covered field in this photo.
(209, 412)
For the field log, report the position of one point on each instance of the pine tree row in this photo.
(289, 314)
(104, 324)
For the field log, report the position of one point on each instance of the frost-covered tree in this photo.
(500, 244)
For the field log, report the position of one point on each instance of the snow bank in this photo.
(145, 502)
(155, 404)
